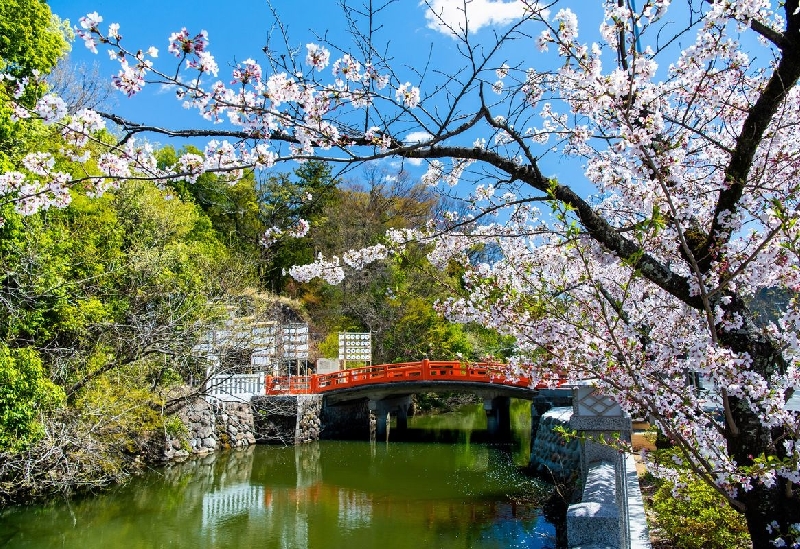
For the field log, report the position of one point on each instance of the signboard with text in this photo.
(355, 347)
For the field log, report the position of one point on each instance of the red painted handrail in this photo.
(424, 370)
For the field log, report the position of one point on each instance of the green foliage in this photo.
(420, 332)
(109, 281)
(284, 200)
(329, 347)
(769, 304)
(394, 299)
(175, 427)
(32, 40)
(693, 515)
(232, 209)
(122, 413)
(25, 392)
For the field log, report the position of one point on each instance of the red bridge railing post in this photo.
(426, 369)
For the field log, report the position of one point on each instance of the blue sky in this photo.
(238, 30)
(235, 33)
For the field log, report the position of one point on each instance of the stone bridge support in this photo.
(383, 408)
(498, 416)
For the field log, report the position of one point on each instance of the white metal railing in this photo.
(235, 387)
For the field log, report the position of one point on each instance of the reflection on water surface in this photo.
(322, 495)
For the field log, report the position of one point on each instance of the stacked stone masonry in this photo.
(611, 512)
(553, 455)
(235, 424)
(309, 426)
(210, 426)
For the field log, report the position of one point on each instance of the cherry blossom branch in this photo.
(596, 226)
(784, 77)
(131, 128)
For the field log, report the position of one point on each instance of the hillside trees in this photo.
(640, 268)
(25, 393)
(101, 304)
(101, 299)
(392, 299)
(290, 207)
(32, 40)
(108, 282)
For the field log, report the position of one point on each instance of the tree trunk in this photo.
(764, 505)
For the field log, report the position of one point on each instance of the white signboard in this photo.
(355, 346)
(264, 339)
(295, 341)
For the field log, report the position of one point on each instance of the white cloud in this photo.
(417, 137)
(448, 15)
(169, 88)
(398, 165)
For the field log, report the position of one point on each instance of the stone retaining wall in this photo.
(551, 454)
(595, 521)
(208, 427)
(235, 425)
(309, 425)
(610, 514)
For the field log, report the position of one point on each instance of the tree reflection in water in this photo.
(322, 495)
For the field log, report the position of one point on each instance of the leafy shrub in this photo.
(175, 427)
(25, 392)
(695, 516)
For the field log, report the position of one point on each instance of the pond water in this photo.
(450, 491)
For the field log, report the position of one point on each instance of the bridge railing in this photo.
(425, 370)
(291, 385)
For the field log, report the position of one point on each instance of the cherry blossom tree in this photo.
(635, 271)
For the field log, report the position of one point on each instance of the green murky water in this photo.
(452, 493)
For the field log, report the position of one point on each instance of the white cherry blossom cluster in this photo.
(317, 57)
(331, 271)
(87, 31)
(51, 108)
(378, 138)
(328, 270)
(274, 234)
(437, 172)
(408, 95)
(33, 194)
(81, 127)
(358, 259)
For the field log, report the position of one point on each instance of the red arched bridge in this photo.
(424, 372)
